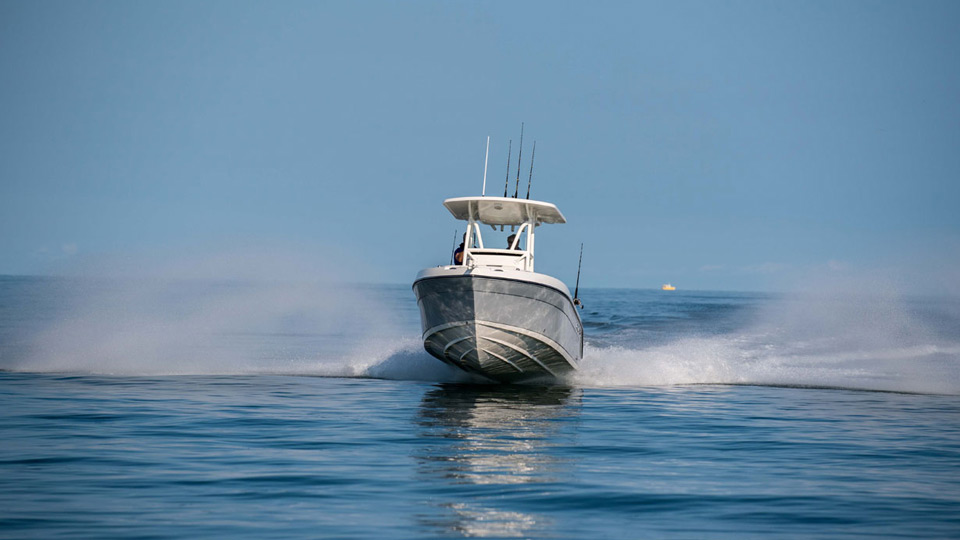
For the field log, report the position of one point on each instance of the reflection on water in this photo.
(488, 440)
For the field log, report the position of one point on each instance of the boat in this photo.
(668, 287)
(491, 314)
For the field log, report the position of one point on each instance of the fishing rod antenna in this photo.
(532, 157)
(454, 248)
(519, 159)
(486, 159)
(576, 290)
(506, 181)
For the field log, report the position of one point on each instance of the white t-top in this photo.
(503, 210)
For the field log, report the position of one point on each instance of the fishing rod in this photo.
(455, 231)
(532, 157)
(576, 290)
(486, 158)
(506, 181)
(519, 159)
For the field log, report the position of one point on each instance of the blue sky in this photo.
(735, 145)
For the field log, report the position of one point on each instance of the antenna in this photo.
(532, 157)
(519, 158)
(506, 182)
(486, 158)
(576, 290)
(455, 231)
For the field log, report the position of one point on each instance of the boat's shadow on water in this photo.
(488, 445)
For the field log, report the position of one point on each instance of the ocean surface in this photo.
(228, 409)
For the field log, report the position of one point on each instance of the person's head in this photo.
(510, 240)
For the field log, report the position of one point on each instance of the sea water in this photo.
(188, 409)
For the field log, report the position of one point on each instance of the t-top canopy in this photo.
(503, 210)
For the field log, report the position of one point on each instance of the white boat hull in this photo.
(504, 325)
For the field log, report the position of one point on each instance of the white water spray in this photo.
(838, 336)
(304, 323)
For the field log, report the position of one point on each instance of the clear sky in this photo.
(717, 145)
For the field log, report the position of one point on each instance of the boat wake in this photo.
(720, 360)
(401, 359)
(717, 360)
(740, 360)
(868, 342)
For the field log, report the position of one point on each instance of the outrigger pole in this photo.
(532, 157)
(486, 158)
(506, 181)
(519, 159)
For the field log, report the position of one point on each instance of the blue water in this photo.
(189, 409)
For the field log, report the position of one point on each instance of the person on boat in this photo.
(458, 253)
(510, 241)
